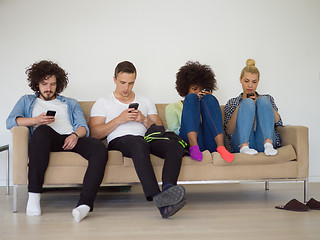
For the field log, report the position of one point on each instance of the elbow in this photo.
(11, 123)
(159, 123)
(93, 134)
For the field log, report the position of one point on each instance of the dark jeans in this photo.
(203, 117)
(139, 150)
(45, 140)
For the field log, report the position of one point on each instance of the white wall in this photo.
(88, 38)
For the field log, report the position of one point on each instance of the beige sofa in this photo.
(66, 168)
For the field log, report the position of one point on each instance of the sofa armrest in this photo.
(20, 145)
(298, 137)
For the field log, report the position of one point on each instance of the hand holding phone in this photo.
(45, 118)
(206, 90)
(203, 92)
(250, 95)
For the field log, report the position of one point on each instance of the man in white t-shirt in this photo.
(66, 131)
(125, 127)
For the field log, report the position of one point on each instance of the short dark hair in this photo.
(126, 67)
(39, 71)
(194, 73)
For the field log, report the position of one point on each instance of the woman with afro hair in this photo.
(198, 118)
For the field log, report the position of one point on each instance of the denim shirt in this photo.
(24, 107)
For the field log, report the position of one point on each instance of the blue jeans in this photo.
(245, 131)
(203, 117)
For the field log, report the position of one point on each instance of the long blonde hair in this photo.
(251, 68)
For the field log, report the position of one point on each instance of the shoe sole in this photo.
(176, 209)
(171, 196)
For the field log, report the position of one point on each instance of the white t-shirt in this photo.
(110, 108)
(62, 123)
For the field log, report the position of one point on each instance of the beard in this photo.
(47, 95)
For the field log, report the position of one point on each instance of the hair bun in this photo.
(251, 62)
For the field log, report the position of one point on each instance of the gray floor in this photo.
(215, 211)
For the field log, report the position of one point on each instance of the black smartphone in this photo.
(134, 105)
(249, 95)
(51, 113)
(206, 90)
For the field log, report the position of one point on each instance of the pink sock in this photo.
(195, 153)
(225, 154)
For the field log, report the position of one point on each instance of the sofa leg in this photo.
(15, 197)
(305, 182)
(266, 185)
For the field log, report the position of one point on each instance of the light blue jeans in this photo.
(246, 132)
(203, 117)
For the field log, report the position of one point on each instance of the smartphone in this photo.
(250, 95)
(134, 105)
(206, 90)
(51, 113)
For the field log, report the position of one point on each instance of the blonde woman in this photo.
(251, 118)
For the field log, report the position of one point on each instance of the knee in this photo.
(210, 101)
(211, 98)
(42, 129)
(191, 98)
(263, 100)
(140, 145)
(136, 145)
(41, 132)
(248, 104)
(97, 148)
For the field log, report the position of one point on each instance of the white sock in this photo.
(33, 205)
(269, 150)
(247, 150)
(80, 212)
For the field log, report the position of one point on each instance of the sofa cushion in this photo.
(74, 159)
(285, 154)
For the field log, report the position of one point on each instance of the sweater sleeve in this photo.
(173, 118)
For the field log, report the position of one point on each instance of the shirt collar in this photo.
(58, 96)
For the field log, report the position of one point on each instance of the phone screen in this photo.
(134, 105)
(51, 113)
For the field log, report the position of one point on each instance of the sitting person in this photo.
(251, 118)
(197, 118)
(66, 131)
(123, 117)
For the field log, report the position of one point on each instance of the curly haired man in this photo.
(64, 130)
